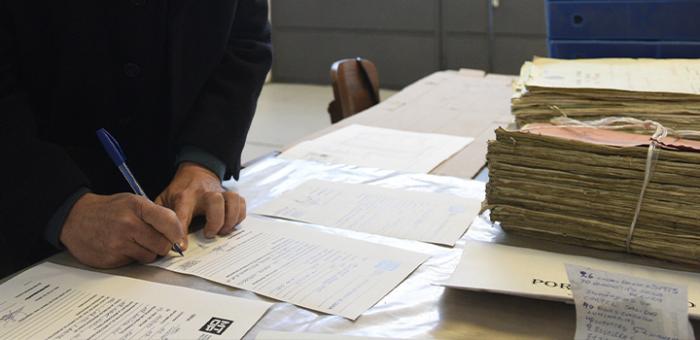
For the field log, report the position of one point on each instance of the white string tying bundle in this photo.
(620, 123)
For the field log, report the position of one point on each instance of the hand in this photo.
(197, 191)
(111, 231)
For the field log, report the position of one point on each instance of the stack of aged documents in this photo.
(581, 185)
(662, 90)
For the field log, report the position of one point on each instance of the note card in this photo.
(616, 306)
(298, 264)
(380, 148)
(422, 216)
(51, 301)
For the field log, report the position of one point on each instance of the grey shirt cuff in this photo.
(196, 155)
(52, 233)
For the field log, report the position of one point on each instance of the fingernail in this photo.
(209, 234)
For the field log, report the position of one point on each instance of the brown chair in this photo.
(355, 87)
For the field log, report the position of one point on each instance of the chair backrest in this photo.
(355, 87)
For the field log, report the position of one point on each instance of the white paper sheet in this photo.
(533, 273)
(615, 306)
(297, 264)
(422, 216)
(644, 75)
(274, 335)
(51, 301)
(380, 148)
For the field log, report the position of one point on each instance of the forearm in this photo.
(221, 116)
(52, 233)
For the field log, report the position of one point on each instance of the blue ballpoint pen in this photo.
(115, 152)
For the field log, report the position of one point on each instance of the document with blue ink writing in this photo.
(541, 274)
(51, 301)
(616, 306)
(380, 148)
(422, 216)
(297, 264)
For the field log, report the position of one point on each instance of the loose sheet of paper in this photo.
(51, 301)
(274, 335)
(616, 306)
(645, 75)
(423, 216)
(380, 148)
(298, 264)
(540, 274)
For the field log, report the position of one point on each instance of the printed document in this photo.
(540, 274)
(616, 306)
(380, 148)
(298, 264)
(423, 216)
(51, 301)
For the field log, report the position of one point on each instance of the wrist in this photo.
(73, 218)
(197, 170)
(201, 157)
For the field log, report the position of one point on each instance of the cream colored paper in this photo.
(643, 75)
(51, 301)
(298, 264)
(423, 216)
(380, 148)
(539, 274)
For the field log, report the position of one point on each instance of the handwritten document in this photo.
(616, 306)
(51, 301)
(298, 264)
(380, 148)
(423, 216)
(680, 76)
(541, 274)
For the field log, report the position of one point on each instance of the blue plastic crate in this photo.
(571, 49)
(669, 20)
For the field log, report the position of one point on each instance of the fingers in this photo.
(138, 253)
(152, 240)
(162, 219)
(184, 207)
(235, 212)
(215, 212)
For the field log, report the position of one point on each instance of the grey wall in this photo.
(407, 39)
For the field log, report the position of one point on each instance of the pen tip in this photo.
(178, 249)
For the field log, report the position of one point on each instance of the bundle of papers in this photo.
(662, 90)
(581, 185)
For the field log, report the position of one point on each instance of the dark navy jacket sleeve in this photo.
(222, 113)
(39, 176)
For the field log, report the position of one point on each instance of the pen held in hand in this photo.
(115, 152)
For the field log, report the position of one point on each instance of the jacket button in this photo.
(138, 2)
(132, 70)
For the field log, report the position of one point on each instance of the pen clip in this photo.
(114, 150)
